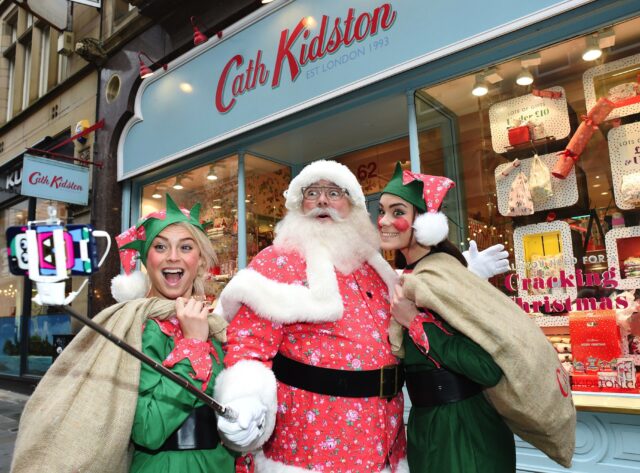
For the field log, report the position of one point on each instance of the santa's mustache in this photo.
(318, 212)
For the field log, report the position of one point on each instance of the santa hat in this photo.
(331, 171)
(134, 244)
(426, 193)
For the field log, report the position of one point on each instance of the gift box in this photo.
(595, 340)
(584, 382)
(519, 135)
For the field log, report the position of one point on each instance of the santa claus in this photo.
(309, 367)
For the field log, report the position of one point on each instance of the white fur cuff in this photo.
(249, 378)
(266, 465)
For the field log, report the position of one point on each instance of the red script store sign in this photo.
(296, 49)
(49, 179)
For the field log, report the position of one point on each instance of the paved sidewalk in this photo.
(11, 405)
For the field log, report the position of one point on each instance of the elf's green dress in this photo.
(460, 437)
(162, 408)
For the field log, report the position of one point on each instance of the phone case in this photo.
(79, 244)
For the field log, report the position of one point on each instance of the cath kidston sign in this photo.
(49, 179)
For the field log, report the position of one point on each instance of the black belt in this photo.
(384, 382)
(439, 386)
(197, 432)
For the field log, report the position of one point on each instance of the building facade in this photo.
(45, 91)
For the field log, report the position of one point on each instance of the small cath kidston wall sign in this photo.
(53, 180)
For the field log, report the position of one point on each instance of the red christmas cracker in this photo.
(547, 94)
(579, 140)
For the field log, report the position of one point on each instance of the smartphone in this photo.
(78, 247)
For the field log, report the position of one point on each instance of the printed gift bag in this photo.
(520, 202)
(630, 189)
(539, 180)
(537, 130)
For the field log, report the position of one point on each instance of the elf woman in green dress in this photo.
(172, 430)
(98, 409)
(452, 427)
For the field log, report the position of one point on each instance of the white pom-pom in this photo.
(431, 228)
(128, 287)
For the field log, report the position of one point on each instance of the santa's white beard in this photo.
(349, 242)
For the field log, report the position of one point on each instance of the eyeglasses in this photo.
(332, 193)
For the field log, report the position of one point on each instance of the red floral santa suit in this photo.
(311, 313)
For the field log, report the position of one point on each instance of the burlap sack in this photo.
(534, 395)
(80, 416)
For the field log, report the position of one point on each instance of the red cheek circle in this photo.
(401, 224)
(380, 221)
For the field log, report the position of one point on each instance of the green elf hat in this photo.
(134, 244)
(426, 193)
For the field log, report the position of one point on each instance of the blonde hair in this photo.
(208, 257)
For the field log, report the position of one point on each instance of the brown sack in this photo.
(79, 418)
(534, 395)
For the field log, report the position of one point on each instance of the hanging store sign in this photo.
(293, 55)
(48, 179)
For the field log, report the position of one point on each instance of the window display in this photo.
(546, 163)
(11, 294)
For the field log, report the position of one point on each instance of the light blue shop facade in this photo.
(370, 83)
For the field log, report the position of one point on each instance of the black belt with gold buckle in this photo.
(384, 382)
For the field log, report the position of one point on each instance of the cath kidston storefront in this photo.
(502, 98)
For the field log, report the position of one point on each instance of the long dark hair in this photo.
(445, 246)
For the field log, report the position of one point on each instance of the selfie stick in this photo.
(51, 291)
(208, 400)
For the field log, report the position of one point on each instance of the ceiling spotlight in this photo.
(593, 50)
(156, 194)
(212, 174)
(525, 77)
(480, 86)
(264, 2)
(178, 185)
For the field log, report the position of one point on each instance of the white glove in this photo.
(487, 263)
(250, 422)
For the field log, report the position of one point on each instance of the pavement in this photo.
(11, 405)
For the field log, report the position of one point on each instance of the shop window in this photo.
(11, 295)
(265, 183)
(219, 199)
(545, 152)
(374, 165)
(48, 326)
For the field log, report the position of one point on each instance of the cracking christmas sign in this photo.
(607, 280)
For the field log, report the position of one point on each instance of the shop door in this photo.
(437, 138)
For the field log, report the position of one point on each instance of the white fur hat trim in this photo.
(431, 228)
(128, 287)
(332, 171)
